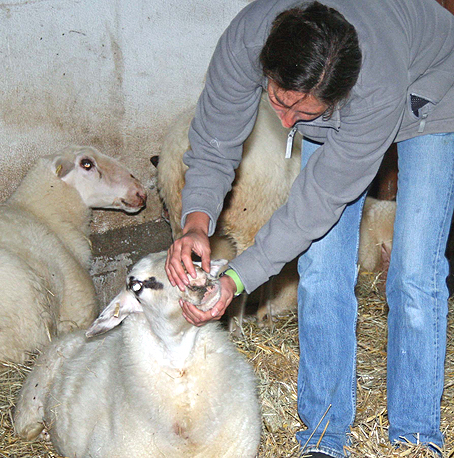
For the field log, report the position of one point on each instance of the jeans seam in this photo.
(355, 353)
(439, 257)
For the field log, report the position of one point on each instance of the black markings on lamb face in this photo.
(134, 285)
(137, 285)
(152, 283)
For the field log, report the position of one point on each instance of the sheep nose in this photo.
(142, 198)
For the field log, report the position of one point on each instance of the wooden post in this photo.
(448, 4)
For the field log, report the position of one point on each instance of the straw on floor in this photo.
(274, 354)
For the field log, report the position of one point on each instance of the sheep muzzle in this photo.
(203, 291)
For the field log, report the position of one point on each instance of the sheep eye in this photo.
(136, 286)
(86, 164)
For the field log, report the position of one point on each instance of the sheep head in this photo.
(101, 181)
(149, 291)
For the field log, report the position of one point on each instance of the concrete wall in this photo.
(108, 73)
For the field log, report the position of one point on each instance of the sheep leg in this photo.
(236, 314)
(384, 267)
(30, 410)
(265, 300)
(385, 259)
(29, 413)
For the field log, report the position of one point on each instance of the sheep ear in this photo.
(62, 167)
(216, 266)
(123, 305)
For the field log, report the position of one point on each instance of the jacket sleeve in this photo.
(225, 115)
(337, 173)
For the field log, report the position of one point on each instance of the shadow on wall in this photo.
(116, 250)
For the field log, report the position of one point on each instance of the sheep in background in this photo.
(44, 246)
(155, 386)
(262, 185)
(376, 237)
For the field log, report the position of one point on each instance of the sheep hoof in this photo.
(32, 431)
(235, 327)
(45, 436)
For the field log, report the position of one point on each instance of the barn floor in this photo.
(274, 355)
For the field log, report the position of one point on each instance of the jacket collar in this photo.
(333, 122)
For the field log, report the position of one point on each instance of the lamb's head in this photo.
(204, 290)
(149, 283)
(149, 291)
(101, 181)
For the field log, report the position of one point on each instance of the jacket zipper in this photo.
(290, 138)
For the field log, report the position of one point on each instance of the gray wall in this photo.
(111, 74)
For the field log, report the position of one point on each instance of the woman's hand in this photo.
(179, 256)
(199, 318)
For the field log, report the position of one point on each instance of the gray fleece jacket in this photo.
(407, 48)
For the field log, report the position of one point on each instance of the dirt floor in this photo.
(274, 355)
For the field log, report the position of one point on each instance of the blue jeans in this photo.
(417, 296)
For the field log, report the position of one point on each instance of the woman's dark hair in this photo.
(313, 50)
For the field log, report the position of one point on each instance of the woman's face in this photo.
(292, 106)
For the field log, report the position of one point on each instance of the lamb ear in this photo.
(216, 266)
(62, 166)
(123, 305)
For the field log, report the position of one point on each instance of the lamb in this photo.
(262, 185)
(154, 386)
(44, 247)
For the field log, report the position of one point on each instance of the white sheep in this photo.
(44, 246)
(376, 236)
(154, 386)
(262, 185)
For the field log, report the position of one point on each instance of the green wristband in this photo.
(234, 276)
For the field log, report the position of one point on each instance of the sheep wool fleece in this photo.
(407, 48)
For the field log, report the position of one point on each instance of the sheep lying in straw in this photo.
(44, 247)
(262, 185)
(155, 386)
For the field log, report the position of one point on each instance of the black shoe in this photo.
(315, 455)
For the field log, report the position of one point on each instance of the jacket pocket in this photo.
(420, 107)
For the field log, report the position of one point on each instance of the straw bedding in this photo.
(274, 354)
